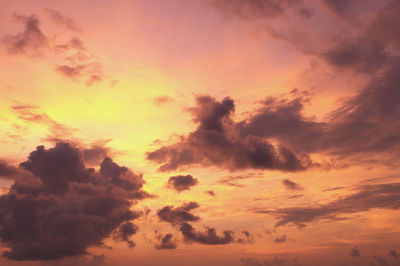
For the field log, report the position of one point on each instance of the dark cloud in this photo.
(259, 9)
(63, 208)
(382, 196)
(211, 193)
(177, 215)
(8, 171)
(365, 124)
(125, 231)
(182, 182)
(291, 185)
(355, 252)
(62, 20)
(280, 239)
(208, 237)
(360, 55)
(166, 242)
(332, 189)
(216, 142)
(394, 253)
(31, 41)
(180, 216)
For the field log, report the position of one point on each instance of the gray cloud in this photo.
(182, 182)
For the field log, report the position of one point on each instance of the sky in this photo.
(199, 132)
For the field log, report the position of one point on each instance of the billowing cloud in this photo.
(382, 196)
(180, 216)
(182, 182)
(63, 207)
(8, 171)
(291, 185)
(216, 142)
(166, 242)
(177, 215)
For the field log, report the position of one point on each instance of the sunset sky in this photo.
(200, 132)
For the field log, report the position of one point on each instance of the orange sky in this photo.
(278, 119)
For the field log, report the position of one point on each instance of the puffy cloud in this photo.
(182, 182)
(216, 142)
(383, 196)
(177, 215)
(63, 207)
(180, 216)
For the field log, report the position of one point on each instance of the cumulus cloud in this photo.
(182, 182)
(383, 196)
(216, 142)
(180, 216)
(63, 208)
(394, 253)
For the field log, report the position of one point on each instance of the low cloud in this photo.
(182, 182)
(166, 242)
(216, 142)
(63, 208)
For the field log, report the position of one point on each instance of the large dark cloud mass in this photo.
(217, 142)
(382, 196)
(63, 208)
(182, 182)
(180, 218)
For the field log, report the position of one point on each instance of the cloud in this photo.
(291, 185)
(166, 242)
(180, 216)
(280, 239)
(382, 196)
(77, 61)
(182, 182)
(177, 215)
(211, 193)
(394, 253)
(63, 208)
(8, 171)
(381, 261)
(125, 231)
(31, 41)
(62, 20)
(276, 261)
(208, 237)
(355, 252)
(165, 99)
(259, 9)
(216, 142)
